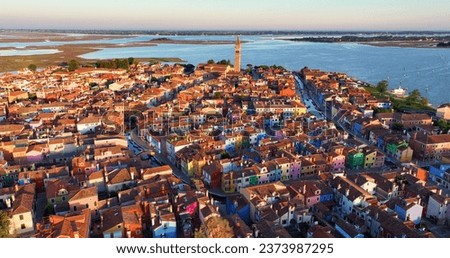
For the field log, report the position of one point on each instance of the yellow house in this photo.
(370, 157)
(199, 163)
(299, 108)
(404, 154)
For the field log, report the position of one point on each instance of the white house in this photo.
(89, 124)
(22, 216)
(438, 208)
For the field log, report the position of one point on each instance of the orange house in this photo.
(287, 92)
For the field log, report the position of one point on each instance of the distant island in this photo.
(425, 41)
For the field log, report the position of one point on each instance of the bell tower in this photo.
(237, 55)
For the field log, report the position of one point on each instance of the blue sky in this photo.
(227, 15)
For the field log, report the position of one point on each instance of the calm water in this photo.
(425, 69)
(27, 52)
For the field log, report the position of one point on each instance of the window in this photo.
(23, 226)
(21, 217)
(87, 205)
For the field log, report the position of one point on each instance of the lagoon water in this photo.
(414, 68)
(426, 69)
(27, 52)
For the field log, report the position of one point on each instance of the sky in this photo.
(226, 14)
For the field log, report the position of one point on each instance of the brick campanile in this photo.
(237, 55)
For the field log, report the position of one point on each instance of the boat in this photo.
(399, 92)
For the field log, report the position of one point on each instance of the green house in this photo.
(355, 159)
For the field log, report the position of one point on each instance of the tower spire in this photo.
(237, 55)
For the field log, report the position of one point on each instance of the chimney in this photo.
(347, 192)
(304, 189)
(16, 187)
(132, 175)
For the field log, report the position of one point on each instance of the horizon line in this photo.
(232, 30)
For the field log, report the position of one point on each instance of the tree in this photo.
(4, 225)
(130, 60)
(224, 62)
(397, 127)
(32, 67)
(218, 228)
(73, 65)
(382, 86)
(211, 61)
(443, 125)
(122, 63)
(414, 96)
(424, 101)
(199, 233)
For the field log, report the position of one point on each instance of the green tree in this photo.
(130, 60)
(443, 125)
(73, 65)
(4, 225)
(211, 61)
(122, 63)
(217, 95)
(32, 67)
(424, 101)
(397, 127)
(224, 62)
(413, 97)
(382, 86)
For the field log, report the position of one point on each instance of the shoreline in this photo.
(70, 51)
(402, 42)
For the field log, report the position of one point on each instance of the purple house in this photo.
(35, 153)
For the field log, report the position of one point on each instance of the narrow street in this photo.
(159, 157)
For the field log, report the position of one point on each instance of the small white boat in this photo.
(399, 92)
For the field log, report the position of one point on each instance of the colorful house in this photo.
(399, 150)
(240, 206)
(355, 159)
(370, 156)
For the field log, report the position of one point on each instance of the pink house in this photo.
(309, 190)
(296, 169)
(337, 161)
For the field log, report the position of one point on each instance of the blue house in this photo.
(357, 126)
(380, 142)
(166, 228)
(438, 170)
(316, 143)
(240, 206)
(326, 196)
